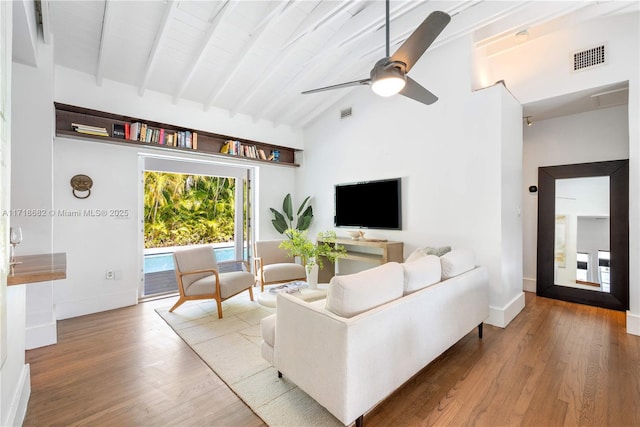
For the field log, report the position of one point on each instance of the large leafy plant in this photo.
(298, 244)
(283, 221)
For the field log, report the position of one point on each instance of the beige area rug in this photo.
(231, 348)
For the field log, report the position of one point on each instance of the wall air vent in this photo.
(346, 113)
(589, 58)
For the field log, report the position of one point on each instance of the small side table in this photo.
(268, 299)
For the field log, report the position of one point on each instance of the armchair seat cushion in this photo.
(282, 272)
(230, 284)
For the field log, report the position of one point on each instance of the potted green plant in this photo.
(282, 221)
(312, 253)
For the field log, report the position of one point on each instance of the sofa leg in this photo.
(360, 421)
(480, 330)
(279, 374)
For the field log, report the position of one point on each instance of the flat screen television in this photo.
(370, 204)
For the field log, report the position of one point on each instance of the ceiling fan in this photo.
(389, 74)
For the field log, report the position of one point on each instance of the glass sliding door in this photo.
(190, 203)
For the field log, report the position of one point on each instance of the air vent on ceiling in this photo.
(346, 113)
(589, 58)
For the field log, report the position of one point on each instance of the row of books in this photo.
(141, 132)
(236, 148)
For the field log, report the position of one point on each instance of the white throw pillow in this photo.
(428, 250)
(421, 273)
(456, 262)
(353, 294)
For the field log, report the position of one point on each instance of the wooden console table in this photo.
(38, 268)
(375, 252)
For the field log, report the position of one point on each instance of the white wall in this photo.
(15, 385)
(449, 156)
(97, 244)
(31, 177)
(540, 69)
(580, 138)
(94, 245)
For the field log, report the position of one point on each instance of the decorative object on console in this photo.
(81, 183)
(283, 221)
(313, 254)
(356, 235)
(428, 250)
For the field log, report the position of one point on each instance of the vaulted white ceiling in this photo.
(255, 57)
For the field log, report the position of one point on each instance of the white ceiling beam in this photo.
(247, 50)
(317, 23)
(275, 67)
(161, 35)
(46, 21)
(106, 19)
(199, 55)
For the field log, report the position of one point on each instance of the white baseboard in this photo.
(633, 324)
(41, 335)
(528, 284)
(501, 317)
(69, 309)
(18, 409)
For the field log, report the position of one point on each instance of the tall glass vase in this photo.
(312, 275)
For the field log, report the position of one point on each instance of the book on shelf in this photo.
(89, 130)
(187, 139)
(143, 132)
(161, 137)
(134, 133)
(127, 131)
(118, 131)
(194, 140)
(262, 154)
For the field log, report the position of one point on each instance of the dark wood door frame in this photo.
(618, 173)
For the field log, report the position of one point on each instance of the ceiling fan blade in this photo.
(418, 42)
(339, 86)
(415, 91)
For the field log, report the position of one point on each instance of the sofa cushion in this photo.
(428, 250)
(353, 294)
(457, 262)
(423, 272)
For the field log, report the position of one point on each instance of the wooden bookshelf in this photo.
(208, 142)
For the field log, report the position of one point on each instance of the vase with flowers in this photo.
(311, 253)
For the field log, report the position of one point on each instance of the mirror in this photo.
(581, 251)
(583, 233)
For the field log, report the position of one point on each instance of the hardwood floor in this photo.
(557, 363)
(127, 367)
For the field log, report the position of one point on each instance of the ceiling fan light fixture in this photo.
(388, 86)
(387, 80)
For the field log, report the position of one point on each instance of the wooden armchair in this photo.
(273, 265)
(199, 277)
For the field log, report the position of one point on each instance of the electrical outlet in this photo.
(110, 275)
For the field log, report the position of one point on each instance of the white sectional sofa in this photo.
(375, 330)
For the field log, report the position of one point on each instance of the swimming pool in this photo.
(154, 263)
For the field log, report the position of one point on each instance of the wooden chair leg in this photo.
(219, 303)
(177, 304)
(251, 293)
